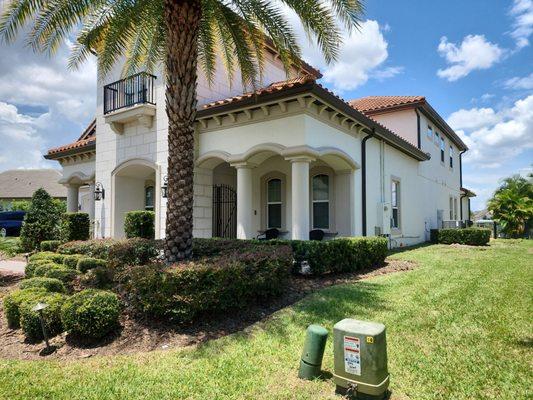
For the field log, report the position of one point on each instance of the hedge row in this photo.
(469, 236)
(187, 290)
(140, 224)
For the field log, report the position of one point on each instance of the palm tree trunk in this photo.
(182, 19)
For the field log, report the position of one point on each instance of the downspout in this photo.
(461, 184)
(363, 179)
(418, 138)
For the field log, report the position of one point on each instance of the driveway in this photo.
(12, 266)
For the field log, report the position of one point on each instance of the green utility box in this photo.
(360, 353)
(315, 343)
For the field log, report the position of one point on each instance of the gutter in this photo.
(363, 179)
(418, 139)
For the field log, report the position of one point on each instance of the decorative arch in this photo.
(135, 162)
(77, 177)
(337, 159)
(211, 159)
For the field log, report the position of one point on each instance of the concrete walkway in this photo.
(12, 266)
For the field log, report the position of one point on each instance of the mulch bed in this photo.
(141, 336)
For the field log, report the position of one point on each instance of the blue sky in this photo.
(471, 59)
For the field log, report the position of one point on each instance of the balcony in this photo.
(130, 99)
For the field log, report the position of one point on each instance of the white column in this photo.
(72, 198)
(91, 201)
(244, 201)
(300, 197)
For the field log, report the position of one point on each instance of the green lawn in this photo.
(9, 246)
(459, 327)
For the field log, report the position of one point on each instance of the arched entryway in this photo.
(135, 186)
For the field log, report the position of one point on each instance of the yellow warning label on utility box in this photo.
(369, 339)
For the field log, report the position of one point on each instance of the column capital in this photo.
(243, 165)
(300, 158)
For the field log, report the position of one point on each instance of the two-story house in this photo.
(290, 155)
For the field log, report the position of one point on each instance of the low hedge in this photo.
(469, 236)
(49, 284)
(47, 255)
(71, 260)
(50, 245)
(75, 226)
(32, 265)
(87, 263)
(57, 271)
(183, 292)
(14, 300)
(118, 253)
(140, 224)
(328, 256)
(31, 323)
(91, 313)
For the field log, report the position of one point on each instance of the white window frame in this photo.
(442, 150)
(429, 133)
(395, 187)
(313, 201)
(455, 213)
(450, 206)
(268, 203)
(146, 206)
(451, 157)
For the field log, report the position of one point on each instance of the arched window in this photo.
(274, 203)
(320, 199)
(149, 193)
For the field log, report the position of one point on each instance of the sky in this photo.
(472, 60)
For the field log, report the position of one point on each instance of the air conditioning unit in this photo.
(384, 217)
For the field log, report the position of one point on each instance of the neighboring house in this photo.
(20, 184)
(290, 155)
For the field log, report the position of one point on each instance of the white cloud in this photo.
(361, 57)
(525, 82)
(474, 53)
(522, 12)
(473, 118)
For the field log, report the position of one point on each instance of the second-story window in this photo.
(451, 156)
(430, 133)
(442, 149)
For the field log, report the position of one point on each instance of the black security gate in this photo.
(224, 212)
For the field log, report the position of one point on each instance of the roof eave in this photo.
(430, 112)
(71, 152)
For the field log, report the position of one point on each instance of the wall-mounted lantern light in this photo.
(164, 188)
(99, 192)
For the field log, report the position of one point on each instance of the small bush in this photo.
(47, 255)
(139, 224)
(99, 278)
(64, 274)
(469, 236)
(87, 263)
(183, 292)
(41, 221)
(13, 301)
(91, 313)
(97, 248)
(49, 284)
(50, 245)
(71, 260)
(32, 265)
(43, 269)
(31, 323)
(75, 226)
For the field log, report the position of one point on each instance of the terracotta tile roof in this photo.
(273, 87)
(87, 138)
(378, 103)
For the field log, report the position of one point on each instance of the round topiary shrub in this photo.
(50, 245)
(32, 265)
(47, 255)
(64, 274)
(43, 269)
(91, 313)
(49, 284)
(13, 301)
(71, 260)
(87, 263)
(31, 323)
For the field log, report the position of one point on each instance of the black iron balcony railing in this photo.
(135, 89)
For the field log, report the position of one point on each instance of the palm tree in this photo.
(179, 34)
(512, 205)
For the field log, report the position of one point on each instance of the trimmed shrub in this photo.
(186, 290)
(97, 248)
(75, 226)
(64, 274)
(43, 269)
(49, 284)
(87, 263)
(32, 265)
(14, 300)
(31, 323)
(47, 255)
(71, 260)
(91, 313)
(99, 278)
(50, 245)
(469, 236)
(41, 222)
(140, 224)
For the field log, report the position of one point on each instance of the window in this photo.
(441, 149)
(436, 138)
(430, 133)
(149, 198)
(455, 216)
(274, 203)
(395, 203)
(451, 208)
(320, 198)
(451, 156)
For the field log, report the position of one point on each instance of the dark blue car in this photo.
(11, 222)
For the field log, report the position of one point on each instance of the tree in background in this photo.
(20, 205)
(41, 222)
(512, 206)
(181, 35)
